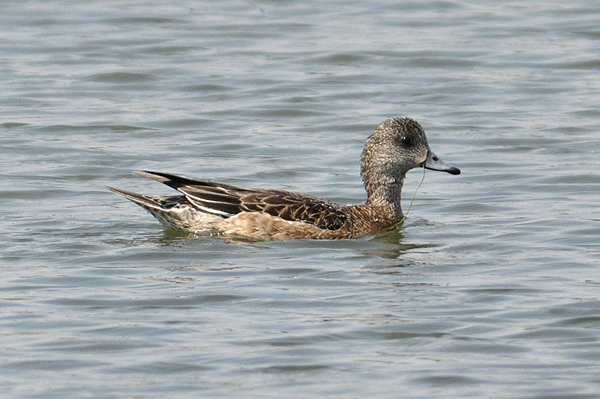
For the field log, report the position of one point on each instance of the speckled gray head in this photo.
(396, 146)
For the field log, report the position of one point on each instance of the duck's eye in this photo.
(405, 140)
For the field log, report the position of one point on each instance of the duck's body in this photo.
(395, 147)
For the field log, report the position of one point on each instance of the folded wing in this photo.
(225, 201)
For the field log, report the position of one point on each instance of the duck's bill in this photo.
(434, 162)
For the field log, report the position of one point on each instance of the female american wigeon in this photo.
(396, 146)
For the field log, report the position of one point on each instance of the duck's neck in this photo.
(387, 197)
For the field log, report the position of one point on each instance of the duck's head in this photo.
(396, 146)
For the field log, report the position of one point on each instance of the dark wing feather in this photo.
(225, 200)
(217, 199)
(295, 207)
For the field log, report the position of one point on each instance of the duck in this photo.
(204, 207)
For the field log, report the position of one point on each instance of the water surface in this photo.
(489, 289)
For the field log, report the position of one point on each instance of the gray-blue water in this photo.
(490, 289)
